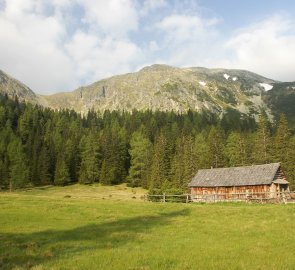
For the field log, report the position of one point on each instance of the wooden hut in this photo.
(239, 183)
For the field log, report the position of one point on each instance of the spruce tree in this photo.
(139, 151)
(289, 165)
(216, 147)
(18, 164)
(44, 166)
(107, 173)
(160, 167)
(262, 145)
(184, 163)
(202, 153)
(115, 155)
(4, 173)
(90, 161)
(61, 175)
(282, 140)
(6, 135)
(235, 149)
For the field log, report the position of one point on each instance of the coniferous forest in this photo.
(161, 151)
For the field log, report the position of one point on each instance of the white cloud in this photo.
(153, 46)
(267, 48)
(37, 48)
(113, 17)
(187, 40)
(54, 45)
(151, 5)
(97, 57)
(29, 47)
(179, 28)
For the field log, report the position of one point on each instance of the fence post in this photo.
(186, 198)
(284, 198)
(164, 197)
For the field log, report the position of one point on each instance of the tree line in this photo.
(155, 150)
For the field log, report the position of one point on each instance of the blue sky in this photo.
(58, 45)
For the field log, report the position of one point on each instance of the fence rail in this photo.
(260, 197)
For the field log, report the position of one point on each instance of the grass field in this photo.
(93, 227)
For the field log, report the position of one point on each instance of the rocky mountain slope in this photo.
(161, 87)
(13, 88)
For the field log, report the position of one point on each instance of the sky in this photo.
(59, 45)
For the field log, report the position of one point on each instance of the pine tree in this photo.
(282, 140)
(4, 173)
(107, 173)
(115, 155)
(2, 116)
(90, 161)
(139, 151)
(262, 143)
(202, 153)
(184, 165)
(160, 167)
(44, 166)
(6, 135)
(285, 148)
(61, 175)
(18, 165)
(289, 164)
(216, 147)
(235, 149)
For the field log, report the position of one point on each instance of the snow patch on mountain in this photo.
(235, 78)
(226, 76)
(202, 83)
(266, 86)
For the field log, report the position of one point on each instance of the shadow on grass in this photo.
(28, 250)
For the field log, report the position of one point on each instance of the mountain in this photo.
(13, 88)
(166, 88)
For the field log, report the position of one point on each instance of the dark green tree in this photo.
(216, 147)
(282, 140)
(140, 150)
(61, 175)
(262, 145)
(184, 163)
(18, 165)
(160, 166)
(90, 160)
(236, 149)
(44, 166)
(202, 153)
(115, 155)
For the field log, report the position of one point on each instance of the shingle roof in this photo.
(236, 176)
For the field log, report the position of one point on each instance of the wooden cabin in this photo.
(239, 183)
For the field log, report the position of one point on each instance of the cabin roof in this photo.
(236, 176)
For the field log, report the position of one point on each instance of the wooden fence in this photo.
(260, 197)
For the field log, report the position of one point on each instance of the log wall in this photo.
(258, 191)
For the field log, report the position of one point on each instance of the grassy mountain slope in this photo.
(281, 99)
(13, 88)
(166, 88)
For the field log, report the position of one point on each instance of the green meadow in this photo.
(97, 227)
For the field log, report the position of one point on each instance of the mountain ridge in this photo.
(157, 87)
(165, 88)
